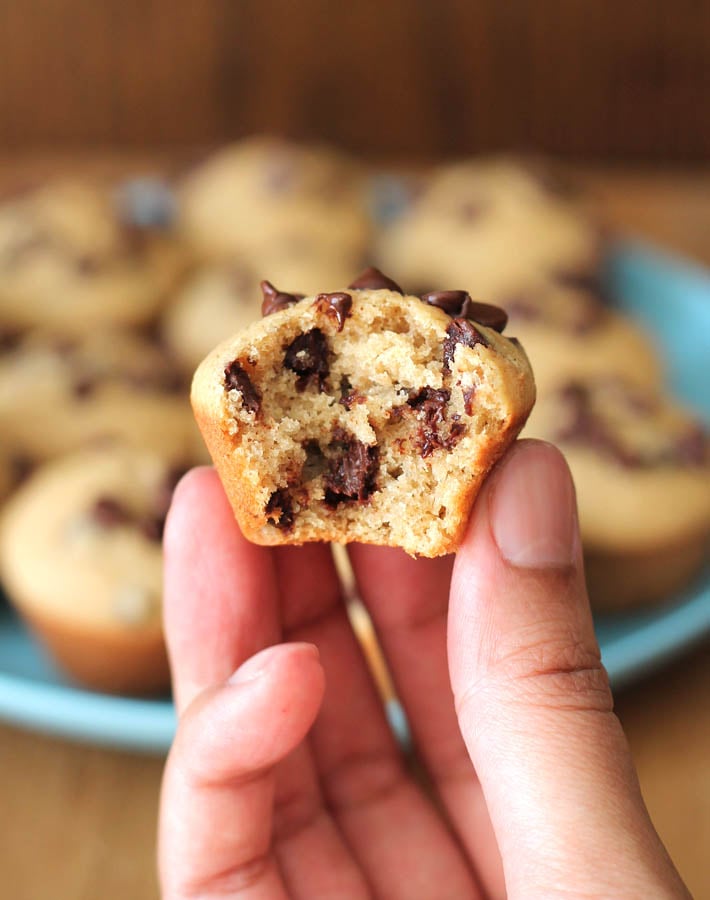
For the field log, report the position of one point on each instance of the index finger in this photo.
(220, 591)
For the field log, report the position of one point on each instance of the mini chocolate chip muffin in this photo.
(568, 332)
(492, 223)
(58, 394)
(264, 191)
(222, 299)
(80, 254)
(80, 558)
(362, 415)
(641, 465)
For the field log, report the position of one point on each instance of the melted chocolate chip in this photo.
(692, 448)
(88, 265)
(276, 300)
(352, 473)
(586, 427)
(336, 305)
(460, 331)
(485, 314)
(450, 302)
(468, 395)
(152, 528)
(279, 510)
(9, 339)
(348, 394)
(470, 211)
(109, 512)
(374, 280)
(84, 387)
(307, 356)
(431, 406)
(236, 379)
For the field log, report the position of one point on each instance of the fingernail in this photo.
(533, 508)
(261, 662)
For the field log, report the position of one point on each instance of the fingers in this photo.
(408, 601)
(216, 821)
(220, 593)
(401, 844)
(533, 699)
(221, 606)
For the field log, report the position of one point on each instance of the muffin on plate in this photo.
(264, 191)
(641, 466)
(80, 558)
(76, 255)
(487, 226)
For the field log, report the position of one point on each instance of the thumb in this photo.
(533, 698)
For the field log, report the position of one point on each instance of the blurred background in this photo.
(158, 160)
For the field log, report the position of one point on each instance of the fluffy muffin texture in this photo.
(362, 415)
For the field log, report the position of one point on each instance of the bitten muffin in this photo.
(222, 299)
(80, 558)
(76, 255)
(568, 332)
(642, 471)
(263, 190)
(362, 415)
(490, 223)
(58, 394)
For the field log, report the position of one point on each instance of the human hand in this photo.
(284, 779)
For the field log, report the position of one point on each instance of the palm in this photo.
(340, 816)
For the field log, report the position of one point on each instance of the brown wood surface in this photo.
(78, 823)
(421, 78)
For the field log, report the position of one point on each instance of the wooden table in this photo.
(78, 823)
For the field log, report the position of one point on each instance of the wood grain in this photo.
(405, 78)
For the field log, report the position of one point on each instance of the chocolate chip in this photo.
(109, 512)
(450, 302)
(374, 280)
(276, 300)
(468, 395)
(431, 406)
(307, 356)
(315, 462)
(470, 210)
(352, 473)
(279, 510)
(236, 379)
(84, 387)
(88, 264)
(523, 308)
(460, 331)
(9, 339)
(152, 527)
(586, 427)
(348, 395)
(336, 305)
(485, 314)
(692, 448)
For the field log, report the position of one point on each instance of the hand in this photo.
(284, 779)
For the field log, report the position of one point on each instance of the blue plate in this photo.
(673, 299)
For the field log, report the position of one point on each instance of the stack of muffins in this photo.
(112, 293)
